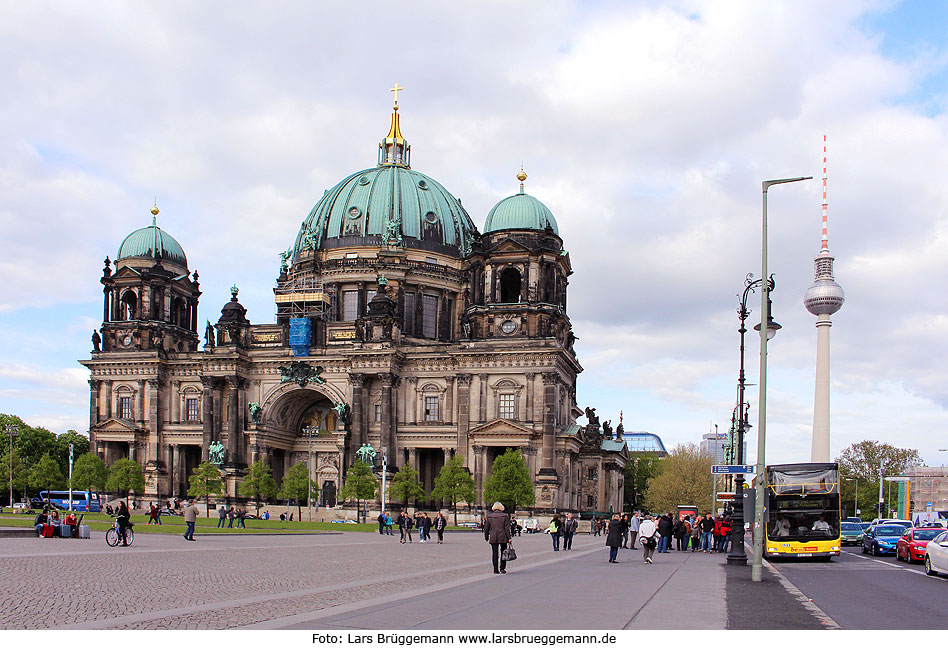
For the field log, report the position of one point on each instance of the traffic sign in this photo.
(732, 470)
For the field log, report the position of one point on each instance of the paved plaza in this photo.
(356, 580)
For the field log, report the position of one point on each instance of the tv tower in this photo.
(823, 299)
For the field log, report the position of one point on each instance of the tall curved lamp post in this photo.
(757, 567)
(737, 555)
(310, 432)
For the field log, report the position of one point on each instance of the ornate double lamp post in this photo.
(737, 555)
(310, 432)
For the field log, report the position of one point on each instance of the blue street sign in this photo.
(732, 470)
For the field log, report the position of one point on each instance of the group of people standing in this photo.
(229, 515)
(706, 533)
(564, 529)
(422, 522)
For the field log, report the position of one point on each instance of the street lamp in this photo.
(310, 432)
(856, 497)
(12, 431)
(757, 568)
(737, 555)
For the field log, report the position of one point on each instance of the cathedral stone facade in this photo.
(398, 325)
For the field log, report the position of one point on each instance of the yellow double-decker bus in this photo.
(802, 502)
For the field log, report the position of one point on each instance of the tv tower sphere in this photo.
(824, 296)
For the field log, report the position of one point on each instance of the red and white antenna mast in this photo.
(825, 246)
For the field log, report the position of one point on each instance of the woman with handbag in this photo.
(648, 531)
(497, 533)
(555, 531)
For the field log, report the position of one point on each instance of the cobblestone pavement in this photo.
(166, 582)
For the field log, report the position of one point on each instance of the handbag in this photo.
(509, 554)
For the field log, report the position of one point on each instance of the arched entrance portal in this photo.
(327, 494)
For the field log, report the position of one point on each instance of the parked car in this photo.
(469, 525)
(881, 539)
(850, 533)
(912, 544)
(936, 555)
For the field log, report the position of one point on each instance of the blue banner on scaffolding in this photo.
(301, 335)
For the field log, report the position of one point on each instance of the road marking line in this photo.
(897, 567)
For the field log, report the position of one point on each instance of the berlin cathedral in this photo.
(399, 325)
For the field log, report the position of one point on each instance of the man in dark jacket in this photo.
(617, 528)
(570, 525)
(497, 533)
(381, 520)
(665, 527)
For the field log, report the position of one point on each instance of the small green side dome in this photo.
(520, 212)
(145, 242)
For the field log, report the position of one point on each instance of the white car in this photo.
(936, 555)
(21, 505)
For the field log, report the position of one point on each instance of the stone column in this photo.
(482, 395)
(411, 396)
(174, 472)
(207, 415)
(108, 399)
(464, 416)
(530, 458)
(560, 501)
(140, 398)
(386, 436)
(234, 431)
(448, 416)
(480, 461)
(94, 386)
(412, 459)
(175, 414)
(549, 418)
(530, 390)
(154, 433)
(357, 423)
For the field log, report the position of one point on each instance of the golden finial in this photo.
(154, 214)
(154, 210)
(521, 176)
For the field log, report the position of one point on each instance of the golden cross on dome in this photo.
(395, 90)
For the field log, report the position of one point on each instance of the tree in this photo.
(684, 478)
(639, 469)
(46, 475)
(32, 442)
(80, 445)
(454, 484)
(125, 475)
(258, 483)
(205, 481)
(360, 484)
(406, 487)
(295, 484)
(509, 482)
(21, 473)
(89, 473)
(863, 461)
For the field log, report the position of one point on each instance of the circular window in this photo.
(508, 326)
(364, 180)
(354, 213)
(422, 184)
(430, 217)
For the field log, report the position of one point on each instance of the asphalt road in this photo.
(865, 592)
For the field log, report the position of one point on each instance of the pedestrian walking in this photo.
(231, 514)
(634, 528)
(439, 525)
(665, 527)
(221, 516)
(648, 532)
(190, 519)
(707, 531)
(497, 533)
(152, 512)
(389, 523)
(242, 519)
(594, 526)
(625, 533)
(381, 520)
(617, 528)
(555, 531)
(696, 534)
(570, 525)
(405, 524)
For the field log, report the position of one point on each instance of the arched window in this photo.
(178, 312)
(129, 305)
(510, 285)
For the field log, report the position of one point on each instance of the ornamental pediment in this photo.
(117, 426)
(509, 246)
(501, 427)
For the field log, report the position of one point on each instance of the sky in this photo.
(646, 127)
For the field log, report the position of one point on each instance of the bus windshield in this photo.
(797, 518)
(803, 482)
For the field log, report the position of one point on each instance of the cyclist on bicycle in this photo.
(124, 523)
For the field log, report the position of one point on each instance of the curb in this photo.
(828, 622)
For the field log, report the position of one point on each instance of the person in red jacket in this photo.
(725, 534)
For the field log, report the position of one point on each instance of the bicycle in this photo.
(114, 535)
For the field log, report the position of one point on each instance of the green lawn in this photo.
(174, 524)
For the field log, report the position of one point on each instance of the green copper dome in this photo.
(388, 205)
(152, 242)
(520, 212)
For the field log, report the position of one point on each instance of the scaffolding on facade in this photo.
(303, 295)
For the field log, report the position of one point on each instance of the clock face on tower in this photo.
(127, 340)
(508, 326)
